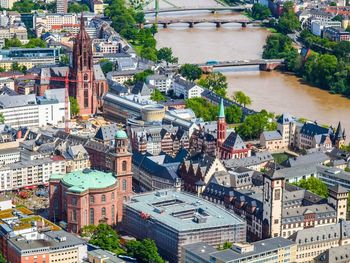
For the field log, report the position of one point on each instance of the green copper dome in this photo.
(121, 135)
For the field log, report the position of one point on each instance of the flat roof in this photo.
(179, 210)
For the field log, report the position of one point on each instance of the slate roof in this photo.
(106, 132)
(167, 171)
(312, 129)
(234, 141)
(141, 88)
(98, 73)
(7, 91)
(324, 232)
(116, 88)
(272, 135)
(285, 118)
(249, 161)
(312, 158)
(340, 254)
(184, 83)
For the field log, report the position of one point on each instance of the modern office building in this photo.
(173, 219)
(61, 6)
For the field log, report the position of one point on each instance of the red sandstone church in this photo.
(87, 81)
(90, 197)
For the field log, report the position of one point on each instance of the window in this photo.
(92, 199)
(124, 185)
(112, 196)
(113, 213)
(86, 95)
(276, 221)
(103, 198)
(86, 77)
(74, 200)
(124, 166)
(103, 211)
(277, 194)
(92, 216)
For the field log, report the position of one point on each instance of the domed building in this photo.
(89, 197)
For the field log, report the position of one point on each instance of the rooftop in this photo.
(181, 211)
(81, 181)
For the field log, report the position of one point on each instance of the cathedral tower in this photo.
(82, 72)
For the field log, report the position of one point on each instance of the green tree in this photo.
(215, 81)
(12, 42)
(24, 6)
(314, 185)
(342, 50)
(260, 12)
(140, 77)
(2, 118)
(233, 114)
(88, 231)
(140, 17)
(190, 71)
(288, 22)
(17, 67)
(202, 108)
(241, 98)
(144, 251)
(74, 7)
(64, 59)
(253, 125)
(74, 106)
(157, 96)
(106, 65)
(227, 245)
(149, 53)
(106, 238)
(166, 54)
(2, 259)
(35, 42)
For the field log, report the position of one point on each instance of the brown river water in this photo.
(274, 91)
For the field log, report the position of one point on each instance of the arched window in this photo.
(92, 216)
(103, 211)
(112, 196)
(113, 213)
(124, 166)
(103, 198)
(86, 77)
(92, 199)
(124, 185)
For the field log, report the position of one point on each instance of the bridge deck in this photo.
(228, 8)
(236, 63)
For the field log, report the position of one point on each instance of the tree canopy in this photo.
(106, 65)
(74, 106)
(209, 112)
(166, 54)
(241, 98)
(105, 237)
(2, 118)
(32, 43)
(253, 125)
(314, 185)
(144, 251)
(260, 12)
(157, 96)
(74, 7)
(216, 82)
(288, 22)
(190, 71)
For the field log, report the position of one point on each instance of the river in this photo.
(274, 91)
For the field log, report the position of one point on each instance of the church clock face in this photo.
(267, 191)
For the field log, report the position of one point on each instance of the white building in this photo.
(8, 4)
(9, 155)
(186, 89)
(162, 82)
(29, 111)
(317, 26)
(28, 173)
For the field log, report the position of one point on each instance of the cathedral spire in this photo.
(221, 109)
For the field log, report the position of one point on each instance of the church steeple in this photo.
(221, 126)
(339, 136)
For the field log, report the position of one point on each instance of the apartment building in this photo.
(186, 89)
(9, 155)
(162, 82)
(336, 34)
(30, 173)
